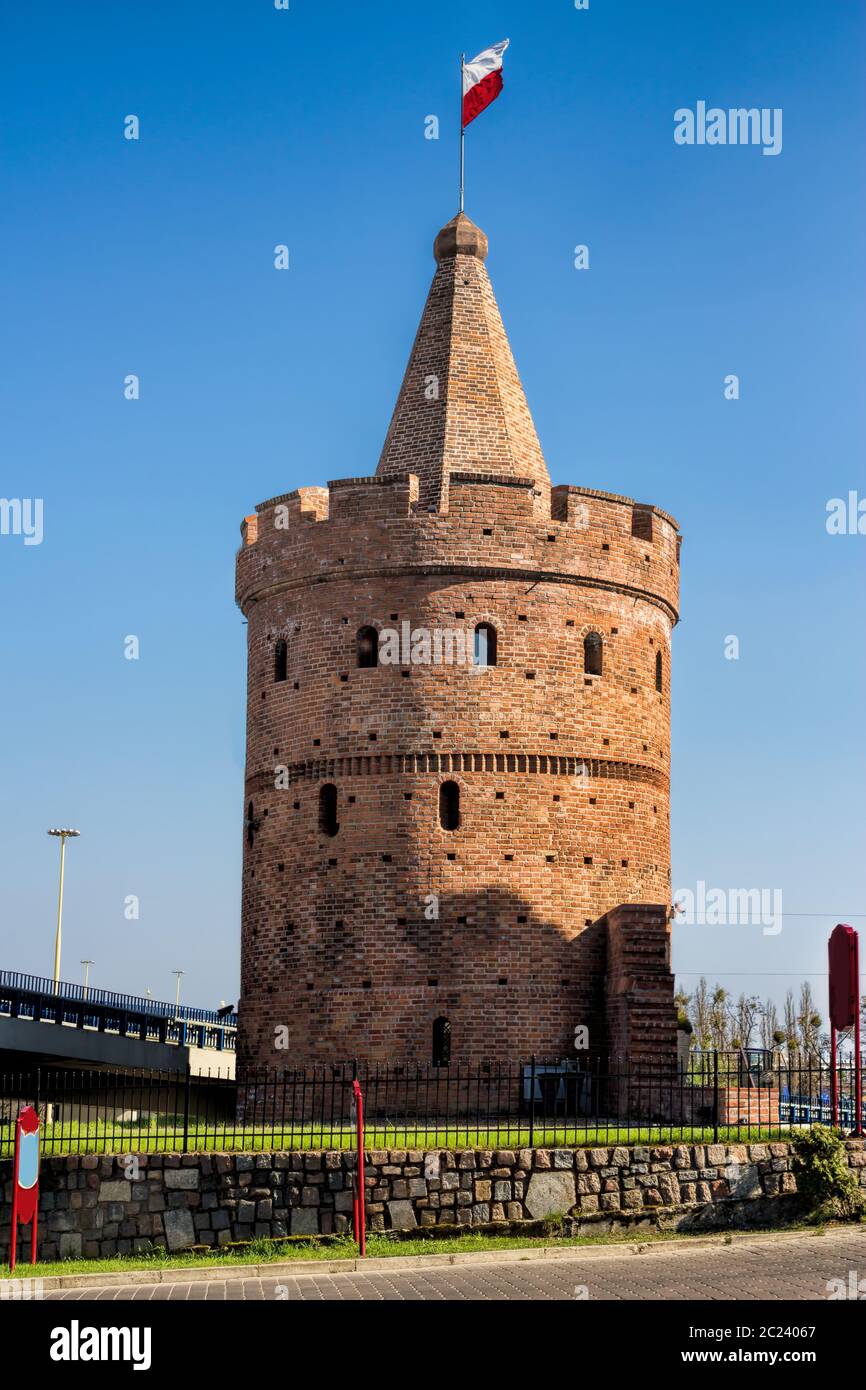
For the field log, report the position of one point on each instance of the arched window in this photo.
(251, 824)
(592, 654)
(281, 659)
(368, 646)
(328, 823)
(441, 1042)
(484, 650)
(449, 805)
(658, 672)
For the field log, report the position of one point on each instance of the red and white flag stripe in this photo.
(482, 81)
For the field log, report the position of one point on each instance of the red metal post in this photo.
(834, 1080)
(360, 1215)
(13, 1240)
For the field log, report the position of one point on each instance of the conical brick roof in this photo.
(461, 407)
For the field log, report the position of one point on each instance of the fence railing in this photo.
(127, 1015)
(721, 1097)
(137, 1003)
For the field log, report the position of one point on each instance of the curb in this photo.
(381, 1263)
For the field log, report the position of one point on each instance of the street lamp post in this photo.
(177, 974)
(64, 835)
(87, 964)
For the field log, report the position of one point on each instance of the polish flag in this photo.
(482, 81)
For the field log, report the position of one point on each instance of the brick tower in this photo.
(439, 851)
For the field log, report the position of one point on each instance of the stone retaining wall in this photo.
(94, 1206)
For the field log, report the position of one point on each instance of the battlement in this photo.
(493, 525)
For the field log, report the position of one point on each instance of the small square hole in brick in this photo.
(624, 863)
(508, 858)
(401, 921)
(437, 733)
(405, 674)
(296, 805)
(557, 798)
(587, 859)
(310, 985)
(605, 741)
(386, 859)
(631, 805)
(451, 856)
(297, 685)
(317, 743)
(551, 538)
(614, 631)
(351, 801)
(462, 921)
(344, 676)
(605, 546)
(569, 622)
(332, 863)
(500, 796)
(530, 675)
(372, 737)
(432, 981)
(366, 984)
(279, 868)
(394, 617)
(587, 921)
(554, 735)
(634, 690)
(488, 531)
(549, 858)
(521, 919)
(503, 733)
(522, 618)
(460, 615)
(503, 980)
(593, 800)
(407, 796)
(587, 680)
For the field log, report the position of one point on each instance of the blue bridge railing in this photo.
(129, 1015)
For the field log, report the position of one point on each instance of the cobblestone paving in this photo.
(786, 1267)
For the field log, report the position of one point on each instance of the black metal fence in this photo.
(718, 1097)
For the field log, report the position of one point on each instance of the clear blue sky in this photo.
(306, 127)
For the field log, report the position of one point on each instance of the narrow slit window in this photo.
(251, 824)
(368, 647)
(281, 660)
(592, 654)
(659, 672)
(484, 651)
(449, 806)
(441, 1042)
(328, 823)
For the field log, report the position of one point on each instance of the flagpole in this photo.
(462, 130)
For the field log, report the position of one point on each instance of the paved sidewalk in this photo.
(780, 1267)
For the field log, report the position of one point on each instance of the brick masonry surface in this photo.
(794, 1266)
(357, 941)
(89, 1207)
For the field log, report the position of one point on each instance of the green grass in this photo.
(261, 1252)
(159, 1138)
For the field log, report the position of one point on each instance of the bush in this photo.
(824, 1180)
